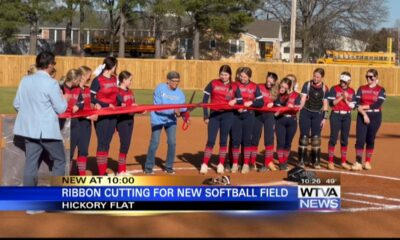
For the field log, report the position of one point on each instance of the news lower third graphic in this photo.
(169, 193)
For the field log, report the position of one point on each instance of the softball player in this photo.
(265, 120)
(220, 91)
(286, 123)
(104, 91)
(229, 158)
(85, 124)
(72, 93)
(313, 115)
(370, 98)
(249, 94)
(342, 100)
(125, 122)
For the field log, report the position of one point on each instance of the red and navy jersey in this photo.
(104, 91)
(125, 96)
(284, 100)
(249, 92)
(219, 91)
(373, 97)
(267, 95)
(336, 92)
(74, 95)
(85, 92)
(294, 99)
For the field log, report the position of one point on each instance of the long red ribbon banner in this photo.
(142, 108)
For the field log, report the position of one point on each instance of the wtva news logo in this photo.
(319, 197)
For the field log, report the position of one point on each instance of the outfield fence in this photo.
(195, 74)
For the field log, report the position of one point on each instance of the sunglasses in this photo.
(369, 77)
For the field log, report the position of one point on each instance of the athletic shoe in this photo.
(220, 169)
(234, 168)
(203, 169)
(316, 166)
(253, 167)
(148, 172)
(367, 166)
(169, 171)
(262, 169)
(283, 166)
(245, 169)
(227, 167)
(346, 166)
(331, 166)
(272, 166)
(356, 167)
(111, 174)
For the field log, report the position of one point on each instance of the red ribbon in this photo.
(142, 108)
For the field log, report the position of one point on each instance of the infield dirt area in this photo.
(370, 199)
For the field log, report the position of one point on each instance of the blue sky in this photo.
(394, 13)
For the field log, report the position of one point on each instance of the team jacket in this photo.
(249, 92)
(104, 91)
(219, 93)
(374, 97)
(75, 97)
(336, 92)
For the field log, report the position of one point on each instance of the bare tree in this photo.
(84, 6)
(319, 20)
(157, 11)
(127, 15)
(33, 11)
(72, 6)
(112, 9)
(123, 8)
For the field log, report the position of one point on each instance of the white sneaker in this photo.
(331, 166)
(203, 169)
(367, 166)
(356, 167)
(253, 167)
(245, 169)
(220, 169)
(346, 166)
(272, 166)
(234, 168)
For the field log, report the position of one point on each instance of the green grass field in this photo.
(142, 97)
(391, 106)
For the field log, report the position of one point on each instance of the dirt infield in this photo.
(370, 199)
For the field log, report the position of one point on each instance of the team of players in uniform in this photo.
(243, 127)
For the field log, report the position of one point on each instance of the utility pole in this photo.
(398, 45)
(293, 31)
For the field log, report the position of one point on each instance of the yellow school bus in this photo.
(136, 46)
(358, 58)
(140, 45)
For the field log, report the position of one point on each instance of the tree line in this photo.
(318, 21)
